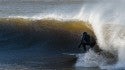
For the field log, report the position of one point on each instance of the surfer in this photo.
(90, 41)
(85, 40)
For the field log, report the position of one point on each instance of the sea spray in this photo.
(90, 59)
(108, 25)
(106, 18)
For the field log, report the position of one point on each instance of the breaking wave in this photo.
(49, 35)
(19, 33)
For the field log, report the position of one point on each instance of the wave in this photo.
(49, 35)
(20, 33)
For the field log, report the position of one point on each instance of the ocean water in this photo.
(45, 34)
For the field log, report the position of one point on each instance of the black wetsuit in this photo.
(85, 41)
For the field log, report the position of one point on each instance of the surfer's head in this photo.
(85, 33)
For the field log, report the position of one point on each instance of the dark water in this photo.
(41, 43)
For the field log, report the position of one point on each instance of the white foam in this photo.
(90, 59)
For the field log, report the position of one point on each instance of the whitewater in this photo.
(30, 22)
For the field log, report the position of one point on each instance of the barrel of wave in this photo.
(59, 35)
(73, 27)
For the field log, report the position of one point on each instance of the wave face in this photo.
(27, 24)
(51, 34)
(35, 44)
